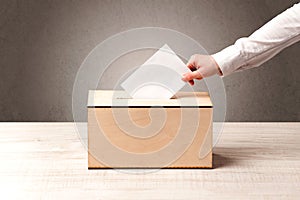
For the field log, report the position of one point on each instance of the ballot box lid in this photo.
(119, 98)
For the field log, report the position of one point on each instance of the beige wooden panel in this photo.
(176, 142)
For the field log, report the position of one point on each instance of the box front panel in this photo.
(150, 137)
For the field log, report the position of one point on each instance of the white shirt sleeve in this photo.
(279, 33)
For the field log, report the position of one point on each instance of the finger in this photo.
(191, 82)
(192, 67)
(191, 75)
(191, 63)
(191, 60)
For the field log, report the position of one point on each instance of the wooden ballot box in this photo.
(149, 133)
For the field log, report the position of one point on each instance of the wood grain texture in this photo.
(149, 137)
(137, 141)
(251, 161)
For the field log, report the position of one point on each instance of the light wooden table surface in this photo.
(251, 161)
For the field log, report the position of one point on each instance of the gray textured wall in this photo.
(43, 43)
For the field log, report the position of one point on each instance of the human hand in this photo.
(201, 66)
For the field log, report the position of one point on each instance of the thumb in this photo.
(191, 75)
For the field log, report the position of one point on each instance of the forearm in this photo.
(263, 44)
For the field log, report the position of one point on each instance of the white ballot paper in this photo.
(158, 78)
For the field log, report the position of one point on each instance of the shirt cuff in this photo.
(229, 59)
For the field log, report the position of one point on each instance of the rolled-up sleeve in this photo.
(279, 33)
